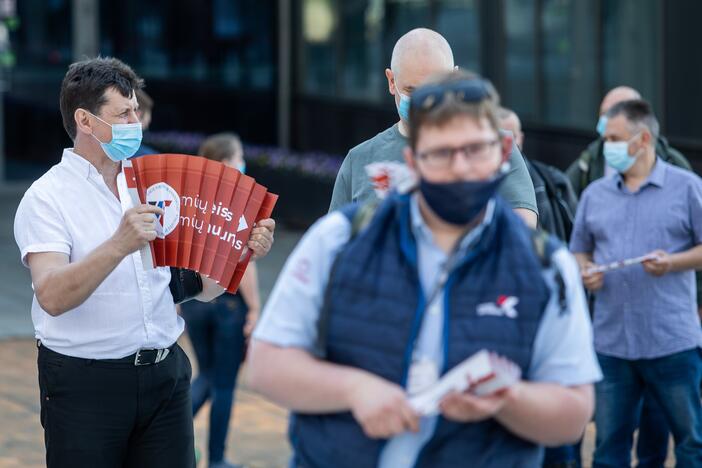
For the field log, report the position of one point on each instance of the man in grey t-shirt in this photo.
(377, 164)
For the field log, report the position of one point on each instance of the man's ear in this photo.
(507, 141)
(83, 123)
(391, 81)
(646, 137)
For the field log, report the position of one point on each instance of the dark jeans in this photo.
(216, 331)
(114, 414)
(673, 381)
(565, 456)
(652, 444)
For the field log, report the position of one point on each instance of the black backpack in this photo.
(555, 199)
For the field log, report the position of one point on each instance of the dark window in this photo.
(42, 45)
(569, 63)
(631, 46)
(317, 70)
(361, 60)
(520, 91)
(224, 41)
(562, 56)
(346, 46)
(458, 21)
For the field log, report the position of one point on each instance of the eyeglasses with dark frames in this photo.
(474, 153)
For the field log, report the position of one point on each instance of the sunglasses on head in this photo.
(428, 97)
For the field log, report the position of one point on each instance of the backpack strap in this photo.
(584, 162)
(360, 215)
(544, 247)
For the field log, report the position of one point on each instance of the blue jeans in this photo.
(216, 332)
(652, 444)
(563, 456)
(673, 381)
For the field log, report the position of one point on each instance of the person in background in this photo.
(647, 332)
(652, 443)
(144, 112)
(219, 329)
(555, 197)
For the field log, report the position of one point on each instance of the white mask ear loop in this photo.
(106, 123)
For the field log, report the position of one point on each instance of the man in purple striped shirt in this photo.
(647, 331)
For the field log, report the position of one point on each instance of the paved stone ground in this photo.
(15, 289)
(256, 436)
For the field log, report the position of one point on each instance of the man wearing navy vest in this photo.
(359, 319)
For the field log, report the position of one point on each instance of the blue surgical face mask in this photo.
(404, 107)
(616, 154)
(602, 125)
(242, 167)
(459, 203)
(126, 140)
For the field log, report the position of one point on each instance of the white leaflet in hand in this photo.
(129, 197)
(423, 373)
(620, 264)
(482, 373)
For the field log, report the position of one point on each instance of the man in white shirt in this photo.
(114, 385)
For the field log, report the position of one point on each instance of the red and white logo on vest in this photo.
(504, 306)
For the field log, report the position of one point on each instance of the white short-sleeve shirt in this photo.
(71, 210)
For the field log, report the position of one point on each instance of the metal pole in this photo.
(284, 74)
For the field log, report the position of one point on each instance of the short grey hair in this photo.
(639, 114)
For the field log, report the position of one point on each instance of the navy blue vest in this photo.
(373, 308)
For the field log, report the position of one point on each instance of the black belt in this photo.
(143, 357)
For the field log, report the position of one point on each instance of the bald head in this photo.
(421, 51)
(417, 56)
(422, 45)
(617, 95)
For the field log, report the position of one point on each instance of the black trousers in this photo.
(100, 414)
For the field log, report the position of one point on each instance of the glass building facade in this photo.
(215, 65)
(551, 60)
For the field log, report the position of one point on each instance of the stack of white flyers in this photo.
(620, 264)
(482, 374)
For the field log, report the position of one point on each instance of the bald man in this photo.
(510, 121)
(376, 165)
(591, 166)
